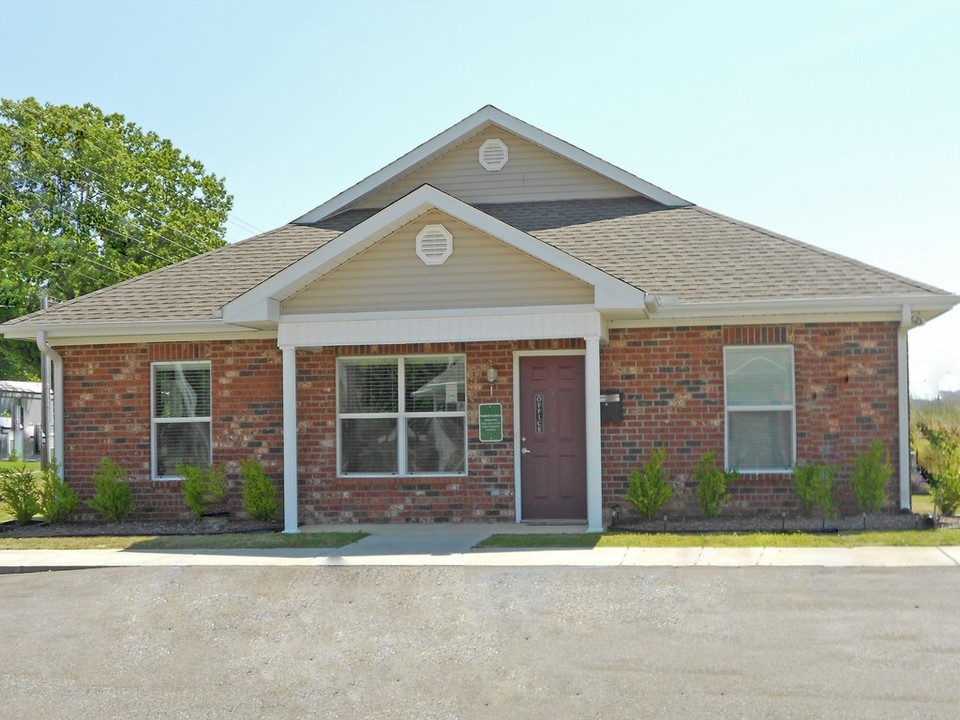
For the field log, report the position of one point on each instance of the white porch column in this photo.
(903, 398)
(289, 439)
(594, 484)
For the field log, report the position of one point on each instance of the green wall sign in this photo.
(491, 422)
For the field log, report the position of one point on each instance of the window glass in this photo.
(760, 440)
(181, 417)
(435, 445)
(368, 445)
(402, 416)
(181, 391)
(760, 408)
(368, 386)
(759, 376)
(433, 385)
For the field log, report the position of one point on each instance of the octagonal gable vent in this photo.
(434, 244)
(494, 154)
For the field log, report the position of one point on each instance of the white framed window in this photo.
(402, 415)
(180, 413)
(760, 408)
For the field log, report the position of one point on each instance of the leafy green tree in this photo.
(943, 462)
(88, 199)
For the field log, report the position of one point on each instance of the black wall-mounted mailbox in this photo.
(610, 408)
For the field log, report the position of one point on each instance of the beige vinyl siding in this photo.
(531, 174)
(481, 272)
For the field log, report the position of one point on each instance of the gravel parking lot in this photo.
(459, 642)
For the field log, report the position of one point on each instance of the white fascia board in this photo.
(254, 306)
(112, 332)
(435, 313)
(465, 129)
(801, 310)
(467, 327)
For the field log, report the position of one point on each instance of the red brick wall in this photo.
(107, 414)
(671, 382)
(487, 493)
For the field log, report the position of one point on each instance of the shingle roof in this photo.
(698, 255)
(195, 288)
(688, 252)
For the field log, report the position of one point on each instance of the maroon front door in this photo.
(553, 463)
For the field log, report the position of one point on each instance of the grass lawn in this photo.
(225, 541)
(898, 538)
(922, 504)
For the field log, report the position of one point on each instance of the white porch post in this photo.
(289, 439)
(594, 484)
(903, 397)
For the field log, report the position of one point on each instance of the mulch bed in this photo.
(877, 521)
(225, 524)
(202, 526)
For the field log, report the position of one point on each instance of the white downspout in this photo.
(57, 400)
(903, 395)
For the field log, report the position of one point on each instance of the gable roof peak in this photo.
(468, 127)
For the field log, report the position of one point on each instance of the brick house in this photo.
(497, 326)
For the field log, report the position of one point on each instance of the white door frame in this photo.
(592, 439)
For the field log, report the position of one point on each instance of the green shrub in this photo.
(813, 484)
(712, 484)
(871, 474)
(203, 487)
(259, 493)
(18, 491)
(649, 486)
(112, 495)
(57, 500)
(945, 474)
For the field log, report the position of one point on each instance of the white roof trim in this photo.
(795, 310)
(147, 331)
(468, 127)
(259, 304)
(463, 328)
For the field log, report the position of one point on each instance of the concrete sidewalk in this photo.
(430, 545)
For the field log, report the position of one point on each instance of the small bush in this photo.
(18, 491)
(203, 487)
(813, 485)
(112, 494)
(871, 474)
(945, 467)
(712, 484)
(649, 486)
(57, 500)
(259, 493)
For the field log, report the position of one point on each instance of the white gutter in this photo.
(903, 397)
(57, 399)
(928, 306)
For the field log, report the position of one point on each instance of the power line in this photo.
(73, 216)
(86, 258)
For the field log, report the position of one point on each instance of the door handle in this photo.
(524, 451)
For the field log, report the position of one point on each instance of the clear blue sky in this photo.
(835, 122)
